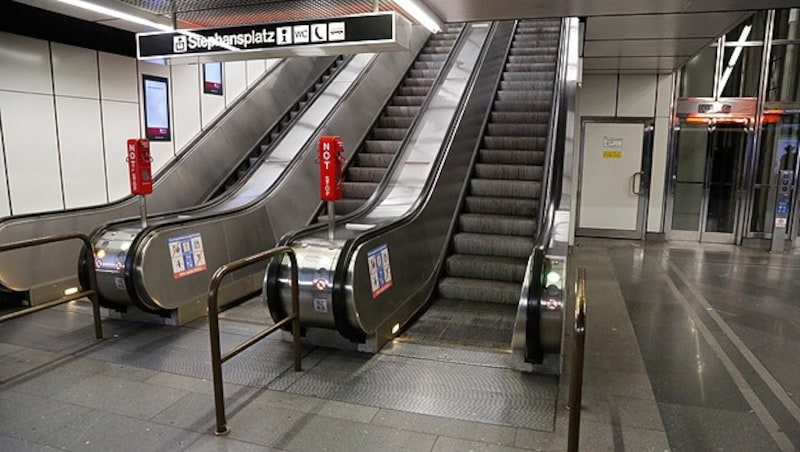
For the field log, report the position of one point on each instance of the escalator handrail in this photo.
(376, 195)
(168, 167)
(533, 284)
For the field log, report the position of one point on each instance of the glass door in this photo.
(708, 166)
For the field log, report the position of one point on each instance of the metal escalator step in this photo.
(395, 122)
(438, 48)
(521, 48)
(527, 76)
(520, 117)
(539, 96)
(531, 59)
(427, 65)
(401, 110)
(365, 174)
(388, 134)
(508, 172)
(413, 91)
(418, 81)
(480, 290)
(541, 39)
(518, 143)
(532, 67)
(540, 85)
(514, 157)
(517, 130)
(502, 206)
(498, 268)
(345, 206)
(358, 190)
(423, 73)
(381, 146)
(440, 57)
(497, 224)
(505, 188)
(493, 245)
(373, 160)
(407, 101)
(530, 106)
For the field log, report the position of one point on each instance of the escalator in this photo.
(476, 300)
(220, 152)
(256, 216)
(453, 253)
(368, 167)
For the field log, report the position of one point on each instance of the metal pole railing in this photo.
(90, 293)
(217, 358)
(576, 381)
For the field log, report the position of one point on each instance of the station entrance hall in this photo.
(399, 225)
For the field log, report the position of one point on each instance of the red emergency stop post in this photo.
(330, 168)
(139, 166)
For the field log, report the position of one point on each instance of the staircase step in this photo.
(507, 269)
(493, 245)
(497, 224)
(480, 290)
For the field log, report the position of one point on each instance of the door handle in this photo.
(636, 183)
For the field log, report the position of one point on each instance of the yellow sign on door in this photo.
(612, 154)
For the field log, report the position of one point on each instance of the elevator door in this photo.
(707, 173)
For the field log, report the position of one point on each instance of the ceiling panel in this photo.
(643, 47)
(700, 25)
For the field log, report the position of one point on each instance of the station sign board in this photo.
(376, 32)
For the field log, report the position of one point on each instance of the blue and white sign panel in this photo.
(380, 272)
(187, 255)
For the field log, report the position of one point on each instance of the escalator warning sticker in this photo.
(187, 255)
(380, 273)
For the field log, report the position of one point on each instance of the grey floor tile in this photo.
(445, 444)
(692, 428)
(625, 411)
(473, 431)
(18, 445)
(129, 397)
(209, 443)
(348, 411)
(106, 432)
(33, 418)
(124, 372)
(322, 433)
(540, 441)
(644, 440)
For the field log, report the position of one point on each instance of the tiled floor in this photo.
(689, 348)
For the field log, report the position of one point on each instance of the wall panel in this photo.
(75, 71)
(118, 80)
(637, 95)
(31, 152)
(186, 104)
(81, 142)
(599, 95)
(235, 80)
(120, 122)
(255, 68)
(658, 175)
(25, 64)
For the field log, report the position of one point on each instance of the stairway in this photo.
(372, 159)
(482, 279)
(255, 156)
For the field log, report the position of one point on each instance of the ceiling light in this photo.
(737, 52)
(118, 14)
(420, 14)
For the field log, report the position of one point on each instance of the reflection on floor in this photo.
(689, 347)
